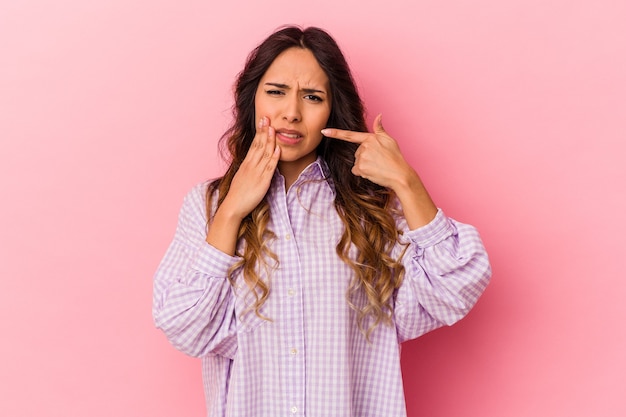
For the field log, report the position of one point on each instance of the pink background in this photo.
(512, 111)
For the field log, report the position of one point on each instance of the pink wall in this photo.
(513, 112)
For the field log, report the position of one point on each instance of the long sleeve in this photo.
(193, 302)
(446, 271)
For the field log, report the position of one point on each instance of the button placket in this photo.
(291, 314)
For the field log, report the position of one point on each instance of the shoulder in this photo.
(195, 201)
(197, 194)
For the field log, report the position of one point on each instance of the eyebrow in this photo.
(304, 90)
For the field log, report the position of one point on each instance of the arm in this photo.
(193, 301)
(446, 266)
(446, 271)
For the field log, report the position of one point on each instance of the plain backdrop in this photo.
(513, 112)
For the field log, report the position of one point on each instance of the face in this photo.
(294, 94)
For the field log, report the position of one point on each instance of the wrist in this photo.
(419, 209)
(224, 230)
(407, 183)
(227, 212)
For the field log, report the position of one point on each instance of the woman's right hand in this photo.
(252, 180)
(247, 189)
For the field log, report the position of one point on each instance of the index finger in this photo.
(347, 135)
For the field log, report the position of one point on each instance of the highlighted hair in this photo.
(365, 208)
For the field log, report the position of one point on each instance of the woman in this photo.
(296, 275)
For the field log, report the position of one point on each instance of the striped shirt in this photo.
(310, 359)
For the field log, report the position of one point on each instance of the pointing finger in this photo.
(347, 135)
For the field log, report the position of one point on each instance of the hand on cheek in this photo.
(254, 176)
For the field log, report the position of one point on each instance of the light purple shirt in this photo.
(311, 359)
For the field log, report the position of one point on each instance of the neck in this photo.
(292, 170)
(290, 174)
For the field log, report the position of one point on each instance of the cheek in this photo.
(326, 116)
(261, 105)
(320, 118)
(265, 108)
(258, 107)
(324, 119)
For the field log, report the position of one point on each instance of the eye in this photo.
(274, 92)
(313, 97)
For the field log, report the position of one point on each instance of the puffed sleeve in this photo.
(446, 271)
(193, 302)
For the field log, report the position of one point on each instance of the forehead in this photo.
(296, 65)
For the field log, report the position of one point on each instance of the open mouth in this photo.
(289, 137)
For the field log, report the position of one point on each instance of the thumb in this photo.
(378, 124)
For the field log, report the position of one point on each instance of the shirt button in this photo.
(293, 351)
(294, 410)
(290, 292)
(287, 237)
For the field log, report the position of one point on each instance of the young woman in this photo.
(297, 274)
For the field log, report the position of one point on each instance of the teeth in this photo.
(291, 135)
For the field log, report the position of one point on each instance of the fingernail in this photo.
(325, 132)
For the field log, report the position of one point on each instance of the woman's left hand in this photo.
(379, 159)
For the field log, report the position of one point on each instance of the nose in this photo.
(291, 110)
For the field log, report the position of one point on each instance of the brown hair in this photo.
(364, 207)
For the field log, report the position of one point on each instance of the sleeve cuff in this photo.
(212, 262)
(439, 229)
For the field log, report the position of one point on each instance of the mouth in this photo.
(289, 137)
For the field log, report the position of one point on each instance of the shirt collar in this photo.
(316, 171)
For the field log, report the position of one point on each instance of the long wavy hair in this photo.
(365, 208)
